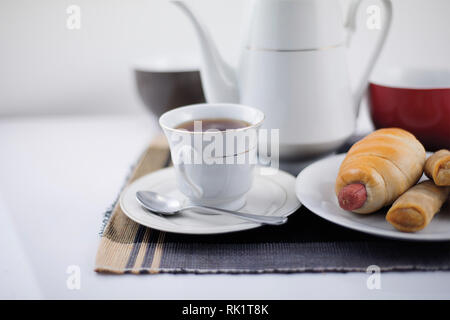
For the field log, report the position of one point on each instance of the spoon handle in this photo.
(246, 216)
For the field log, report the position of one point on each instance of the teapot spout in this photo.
(218, 78)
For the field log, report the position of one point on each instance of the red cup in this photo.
(414, 100)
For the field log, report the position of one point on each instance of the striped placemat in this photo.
(306, 243)
(125, 245)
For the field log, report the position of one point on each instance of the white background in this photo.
(47, 69)
(58, 174)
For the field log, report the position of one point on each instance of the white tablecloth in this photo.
(59, 174)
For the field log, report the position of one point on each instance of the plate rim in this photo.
(358, 226)
(245, 225)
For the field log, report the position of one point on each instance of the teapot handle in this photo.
(351, 28)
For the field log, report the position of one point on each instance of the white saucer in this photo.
(315, 189)
(271, 195)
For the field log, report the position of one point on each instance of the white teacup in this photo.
(214, 168)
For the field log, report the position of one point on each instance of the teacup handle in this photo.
(183, 154)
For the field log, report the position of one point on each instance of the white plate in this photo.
(315, 189)
(271, 195)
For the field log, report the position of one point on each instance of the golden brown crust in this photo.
(437, 167)
(414, 210)
(387, 162)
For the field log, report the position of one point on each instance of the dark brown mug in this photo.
(163, 86)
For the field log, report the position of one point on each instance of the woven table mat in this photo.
(306, 243)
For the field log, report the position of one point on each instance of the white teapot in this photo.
(293, 67)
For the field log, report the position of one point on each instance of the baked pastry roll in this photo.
(437, 167)
(414, 209)
(378, 169)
